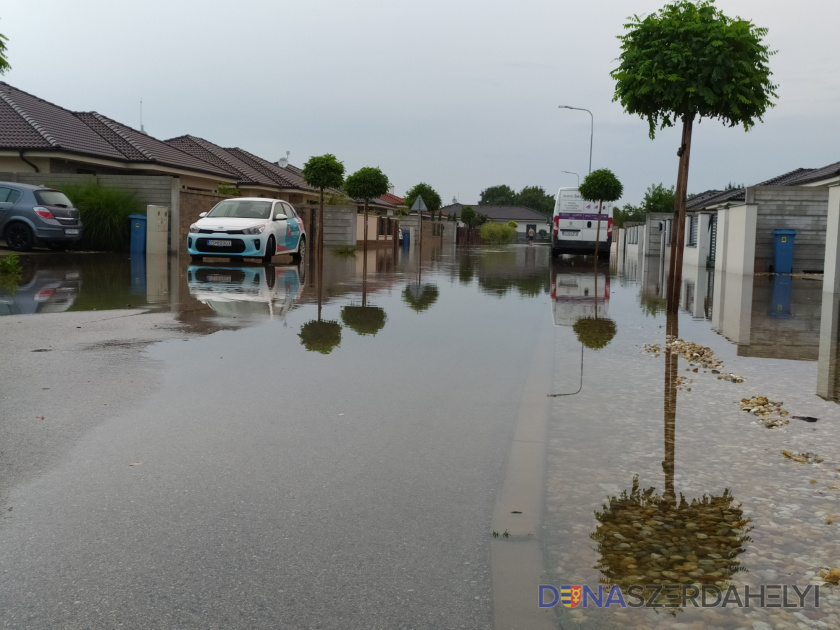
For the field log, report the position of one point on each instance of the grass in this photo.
(345, 250)
(104, 212)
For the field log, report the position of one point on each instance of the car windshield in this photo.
(53, 198)
(241, 209)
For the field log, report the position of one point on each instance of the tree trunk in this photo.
(364, 244)
(670, 401)
(598, 237)
(319, 237)
(678, 227)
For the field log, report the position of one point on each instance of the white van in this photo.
(575, 224)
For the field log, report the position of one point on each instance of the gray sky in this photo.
(461, 94)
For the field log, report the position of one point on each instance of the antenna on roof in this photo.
(284, 162)
(141, 117)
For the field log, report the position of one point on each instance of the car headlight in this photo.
(257, 229)
(194, 229)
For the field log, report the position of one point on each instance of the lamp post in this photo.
(573, 173)
(591, 128)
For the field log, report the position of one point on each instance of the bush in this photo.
(104, 213)
(497, 233)
(513, 224)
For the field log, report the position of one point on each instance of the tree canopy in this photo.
(689, 59)
(367, 183)
(471, 218)
(429, 195)
(601, 185)
(4, 63)
(498, 196)
(324, 171)
(657, 199)
(533, 197)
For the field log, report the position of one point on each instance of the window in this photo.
(692, 231)
(9, 195)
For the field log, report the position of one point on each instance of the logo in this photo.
(570, 595)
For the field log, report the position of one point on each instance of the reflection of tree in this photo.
(594, 332)
(319, 335)
(645, 538)
(365, 320)
(652, 305)
(420, 297)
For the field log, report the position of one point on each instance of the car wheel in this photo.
(300, 254)
(19, 237)
(270, 248)
(269, 277)
(196, 259)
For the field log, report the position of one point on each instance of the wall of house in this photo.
(13, 164)
(695, 255)
(800, 208)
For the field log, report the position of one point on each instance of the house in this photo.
(525, 218)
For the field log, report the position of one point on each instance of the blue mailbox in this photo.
(783, 250)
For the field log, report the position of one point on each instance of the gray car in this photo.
(34, 215)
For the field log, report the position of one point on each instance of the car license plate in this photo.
(71, 231)
(217, 243)
(570, 232)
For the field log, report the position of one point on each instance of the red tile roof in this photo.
(390, 198)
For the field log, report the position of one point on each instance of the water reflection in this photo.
(500, 271)
(648, 539)
(419, 297)
(320, 335)
(365, 319)
(242, 291)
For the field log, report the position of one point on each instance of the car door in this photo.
(8, 198)
(278, 226)
(292, 228)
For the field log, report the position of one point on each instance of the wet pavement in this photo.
(285, 446)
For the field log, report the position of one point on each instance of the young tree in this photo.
(497, 196)
(600, 185)
(686, 61)
(323, 171)
(429, 195)
(367, 183)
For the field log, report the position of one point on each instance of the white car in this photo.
(247, 227)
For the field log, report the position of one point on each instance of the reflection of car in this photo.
(247, 227)
(242, 291)
(34, 215)
(575, 295)
(48, 291)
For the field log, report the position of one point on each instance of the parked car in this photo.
(247, 227)
(34, 215)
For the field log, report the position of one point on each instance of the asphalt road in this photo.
(237, 481)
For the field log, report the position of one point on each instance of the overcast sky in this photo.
(460, 94)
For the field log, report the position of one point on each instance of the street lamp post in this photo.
(573, 173)
(591, 128)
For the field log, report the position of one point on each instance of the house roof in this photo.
(499, 213)
(795, 177)
(29, 122)
(393, 199)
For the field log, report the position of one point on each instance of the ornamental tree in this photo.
(323, 171)
(502, 195)
(367, 183)
(600, 185)
(689, 61)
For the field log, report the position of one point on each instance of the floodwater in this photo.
(654, 474)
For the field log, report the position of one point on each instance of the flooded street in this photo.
(239, 446)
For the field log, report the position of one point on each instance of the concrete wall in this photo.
(800, 208)
(696, 255)
(339, 225)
